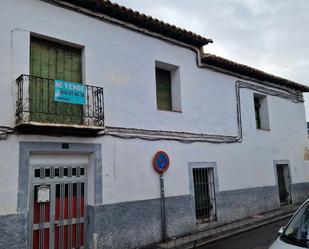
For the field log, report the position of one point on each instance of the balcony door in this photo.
(49, 61)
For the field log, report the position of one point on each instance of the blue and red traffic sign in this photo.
(161, 161)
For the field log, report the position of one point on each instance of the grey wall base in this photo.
(300, 192)
(13, 231)
(238, 204)
(138, 224)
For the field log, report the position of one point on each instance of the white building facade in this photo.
(82, 176)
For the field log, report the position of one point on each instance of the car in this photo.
(295, 234)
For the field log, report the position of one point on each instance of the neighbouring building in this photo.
(77, 159)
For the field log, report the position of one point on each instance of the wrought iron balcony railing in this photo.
(36, 104)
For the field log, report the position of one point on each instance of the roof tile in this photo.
(122, 13)
(220, 62)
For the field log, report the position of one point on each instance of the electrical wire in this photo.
(183, 137)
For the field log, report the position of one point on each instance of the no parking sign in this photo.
(161, 162)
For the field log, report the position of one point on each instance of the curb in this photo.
(233, 232)
(239, 231)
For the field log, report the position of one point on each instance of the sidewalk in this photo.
(223, 231)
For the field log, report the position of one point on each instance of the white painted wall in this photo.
(123, 62)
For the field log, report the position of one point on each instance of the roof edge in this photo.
(242, 69)
(139, 19)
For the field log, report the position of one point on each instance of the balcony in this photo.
(39, 112)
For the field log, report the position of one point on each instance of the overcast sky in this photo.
(271, 35)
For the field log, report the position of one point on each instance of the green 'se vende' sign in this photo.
(69, 92)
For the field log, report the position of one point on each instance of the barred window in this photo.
(204, 192)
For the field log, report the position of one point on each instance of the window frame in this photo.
(162, 84)
(175, 86)
(261, 111)
(212, 167)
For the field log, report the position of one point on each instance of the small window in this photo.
(73, 171)
(37, 173)
(47, 172)
(164, 89)
(168, 87)
(65, 172)
(204, 193)
(261, 112)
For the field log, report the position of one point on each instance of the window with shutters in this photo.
(164, 89)
(49, 60)
(168, 87)
(53, 97)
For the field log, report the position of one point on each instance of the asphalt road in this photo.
(260, 238)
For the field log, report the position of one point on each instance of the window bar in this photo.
(201, 188)
(204, 195)
(208, 196)
(89, 103)
(35, 96)
(32, 93)
(94, 104)
(100, 106)
(197, 194)
(32, 96)
(99, 100)
(20, 94)
(29, 94)
(214, 196)
(86, 107)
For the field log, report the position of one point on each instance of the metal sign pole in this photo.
(161, 162)
(162, 201)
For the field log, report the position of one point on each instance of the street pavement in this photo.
(260, 238)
